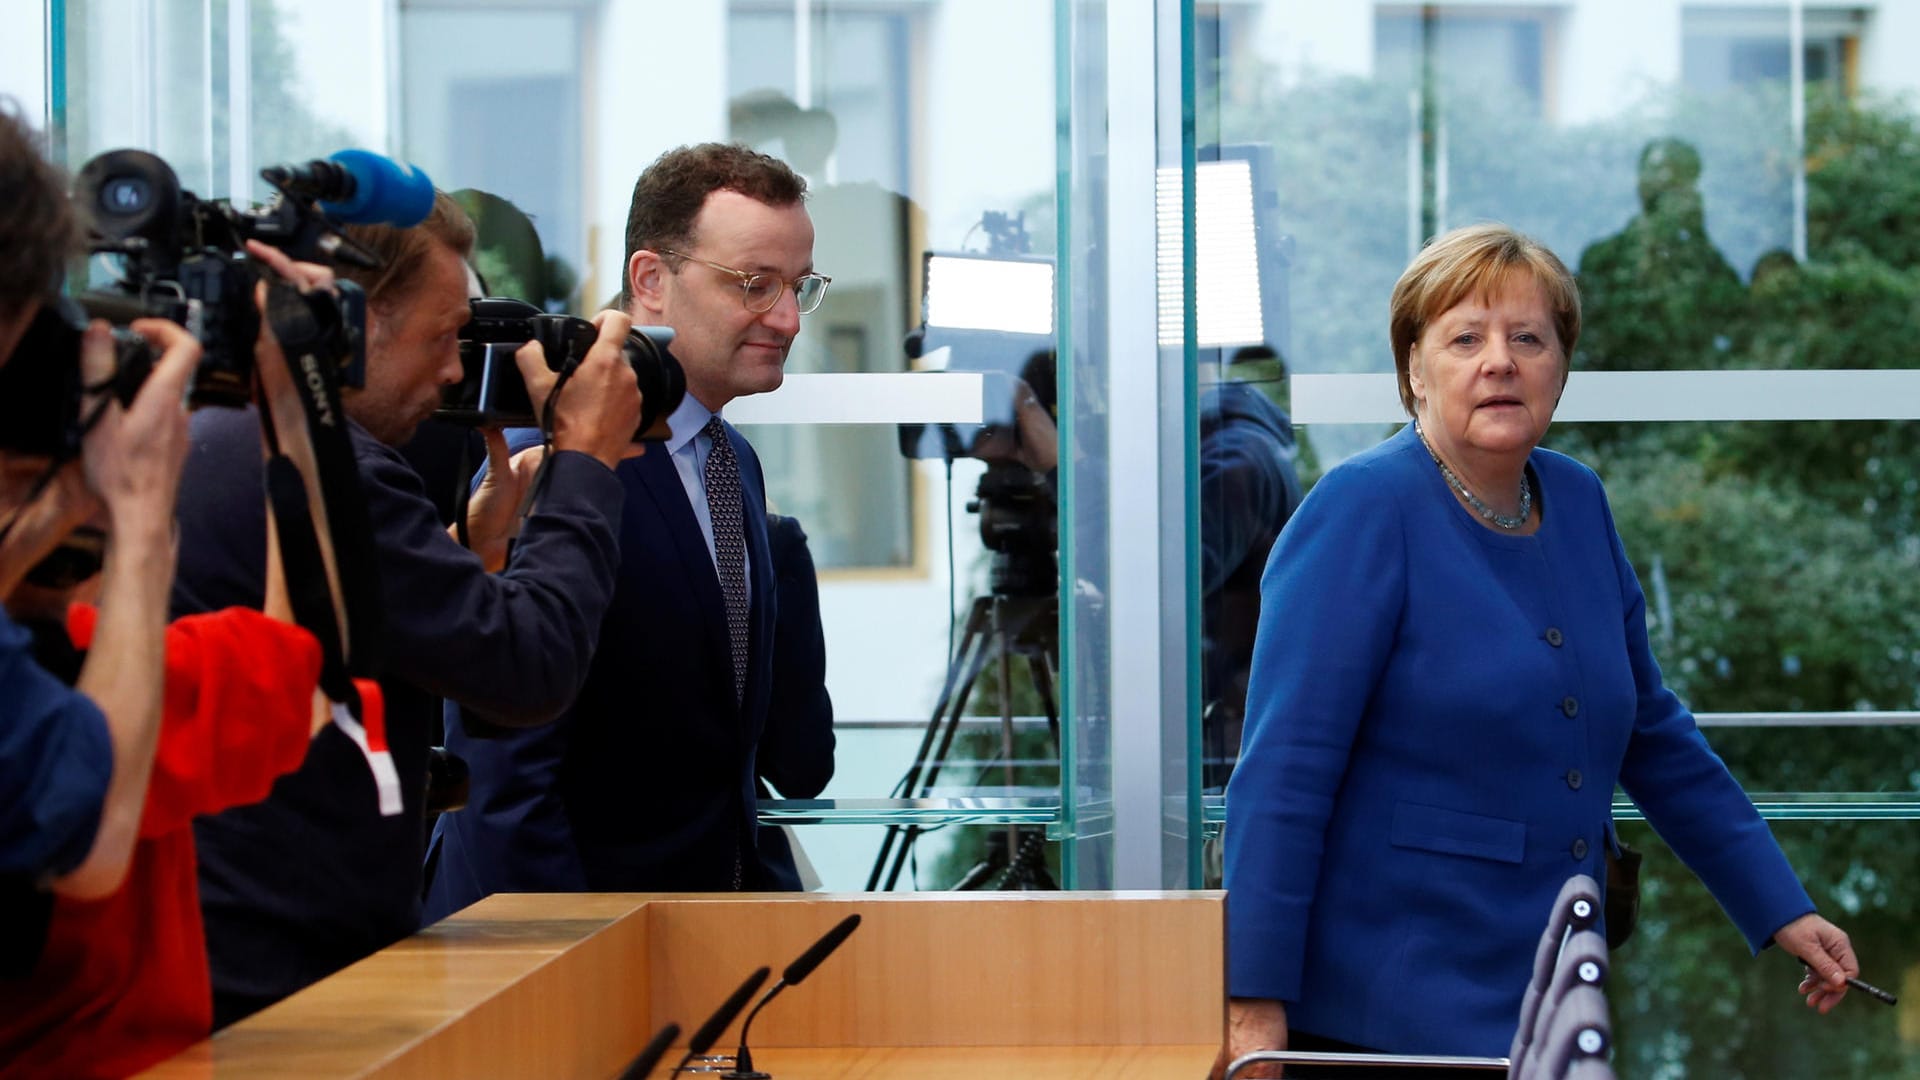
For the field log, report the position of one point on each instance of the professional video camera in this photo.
(988, 312)
(185, 260)
(185, 257)
(992, 313)
(492, 392)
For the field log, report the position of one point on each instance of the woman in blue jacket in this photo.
(1450, 676)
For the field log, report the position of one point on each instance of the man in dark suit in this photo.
(648, 782)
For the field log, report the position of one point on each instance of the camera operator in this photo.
(315, 878)
(1248, 491)
(648, 782)
(121, 982)
(74, 762)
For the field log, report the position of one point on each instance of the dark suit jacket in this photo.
(647, 782)
(312, 879)
(796, 749)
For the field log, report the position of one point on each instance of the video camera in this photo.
(184, 260)
(990, 313)
(492, 392)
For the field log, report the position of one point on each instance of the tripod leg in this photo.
(974, 665)
(978, 619)
(925, 771)
(1005, 669)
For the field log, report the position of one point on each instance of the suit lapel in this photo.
(662, 483)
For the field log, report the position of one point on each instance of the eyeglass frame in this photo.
(747, 278)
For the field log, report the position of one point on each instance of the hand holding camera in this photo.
(506, 384)
(599, 405)
(133, 456)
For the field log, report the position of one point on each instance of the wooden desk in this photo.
(976, 1062)
(1028, 984)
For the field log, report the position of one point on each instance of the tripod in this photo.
(999, 628)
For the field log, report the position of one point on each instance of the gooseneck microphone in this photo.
(703, 1038)
(360, 187)
(798, 970)
(651, 1054)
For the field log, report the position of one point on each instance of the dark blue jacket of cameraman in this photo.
(313, 878)
(647, 784)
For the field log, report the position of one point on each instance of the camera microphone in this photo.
(709, 1032)
(360, 187)
(798, 970)
(651, 1054)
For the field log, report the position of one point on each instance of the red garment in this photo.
(123, 981)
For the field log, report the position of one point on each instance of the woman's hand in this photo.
(1828, 955)
(1252, 1024)
(133, 457)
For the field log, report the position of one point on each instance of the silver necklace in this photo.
(1486, 512)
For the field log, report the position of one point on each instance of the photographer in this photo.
(74, 762)
(315, 878)
(648, 782)
(121, 982)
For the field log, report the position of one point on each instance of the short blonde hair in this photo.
(1476, 261)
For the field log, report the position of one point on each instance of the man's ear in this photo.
(646, 280)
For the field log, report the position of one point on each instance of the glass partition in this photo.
(960, 681)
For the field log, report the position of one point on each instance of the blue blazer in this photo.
(647, 782)
(1437, 718)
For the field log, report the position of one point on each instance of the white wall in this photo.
(659, 82)
(23, 71)
(1307, 39)
(341, 49)
(1611, 54)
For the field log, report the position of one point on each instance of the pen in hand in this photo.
(1872, 991)
(1864, 987)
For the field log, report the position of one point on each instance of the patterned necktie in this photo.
(729, 544)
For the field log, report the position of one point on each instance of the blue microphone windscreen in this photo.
(385, 191)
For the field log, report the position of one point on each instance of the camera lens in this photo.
(131, 193)
(125, 195)
(663, 384)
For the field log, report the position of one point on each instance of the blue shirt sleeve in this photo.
(55, 762)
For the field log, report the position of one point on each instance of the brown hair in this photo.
(402, 251)
(38, 230)
(1476, 261)
(669, 194)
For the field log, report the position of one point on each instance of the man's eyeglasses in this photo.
(759, 292)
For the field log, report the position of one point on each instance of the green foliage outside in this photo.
(1781, 560)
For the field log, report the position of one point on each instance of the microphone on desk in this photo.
(651, 1054)
(798, 970)
(704, 1038)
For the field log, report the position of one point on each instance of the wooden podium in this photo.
(1035, 985)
